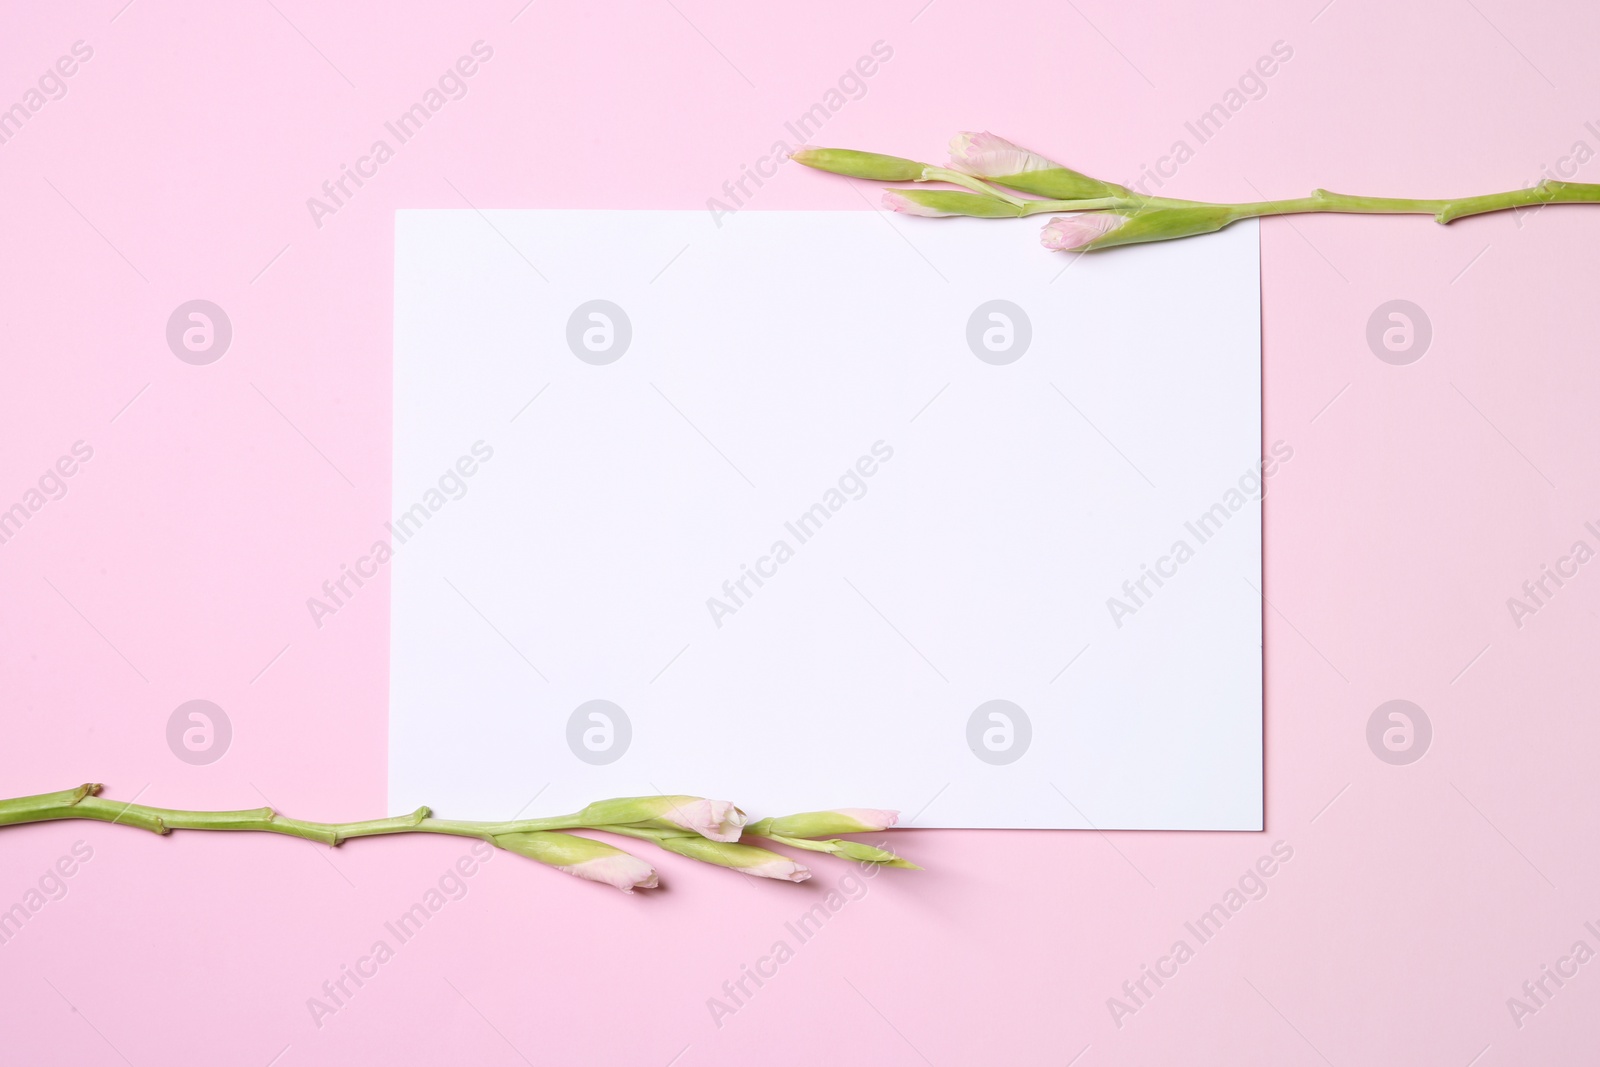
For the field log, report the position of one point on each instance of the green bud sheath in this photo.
(1060, 183)
(556, 849)
(1164, 224)
(939, 202)
(853, 164)
(855, 850)
(631, 809)
(721, 853)
(810, 824)
(850, 850)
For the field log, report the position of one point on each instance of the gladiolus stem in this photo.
(1443, 211)
(996, 170)
(1323, 201)
(702, 829)
(83, 803)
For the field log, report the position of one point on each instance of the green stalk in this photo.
(1321, 201)
(83, 803)
(639, 817)
(1443, 211)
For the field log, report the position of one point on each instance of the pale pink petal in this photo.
(1068, 232)
(786, 870)
(621, 870)
(896, 202)
(718, 820)
(989, 156)
(872, 819)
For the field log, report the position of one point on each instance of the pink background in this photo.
(1418, 899)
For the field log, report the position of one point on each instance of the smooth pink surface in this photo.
(1418, 899)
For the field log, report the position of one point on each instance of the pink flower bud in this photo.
(1092, 232)
(1067, 233)
(899, 202)
(621, 870)
(1000, 161)
(825, 823)
(989, 156)
(581, 857)
(717, 820)
(871, 819)
(751, 860)
(785, 870)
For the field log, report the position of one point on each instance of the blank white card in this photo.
(825, 509)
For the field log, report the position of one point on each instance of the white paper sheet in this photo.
(940, 498)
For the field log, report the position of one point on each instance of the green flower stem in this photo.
(82, 803)
(1320, 201)
(1324, 201)
(1443, 211)
(639, 817)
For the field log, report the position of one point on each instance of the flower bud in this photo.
(1071, 233)
(1000, 161)
(853, 164)
(938, 203)
(718, 820)
(855, 850)
(582, 858)
(826, 823)
(746, 858)
(850, 850)
(1092, 231)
